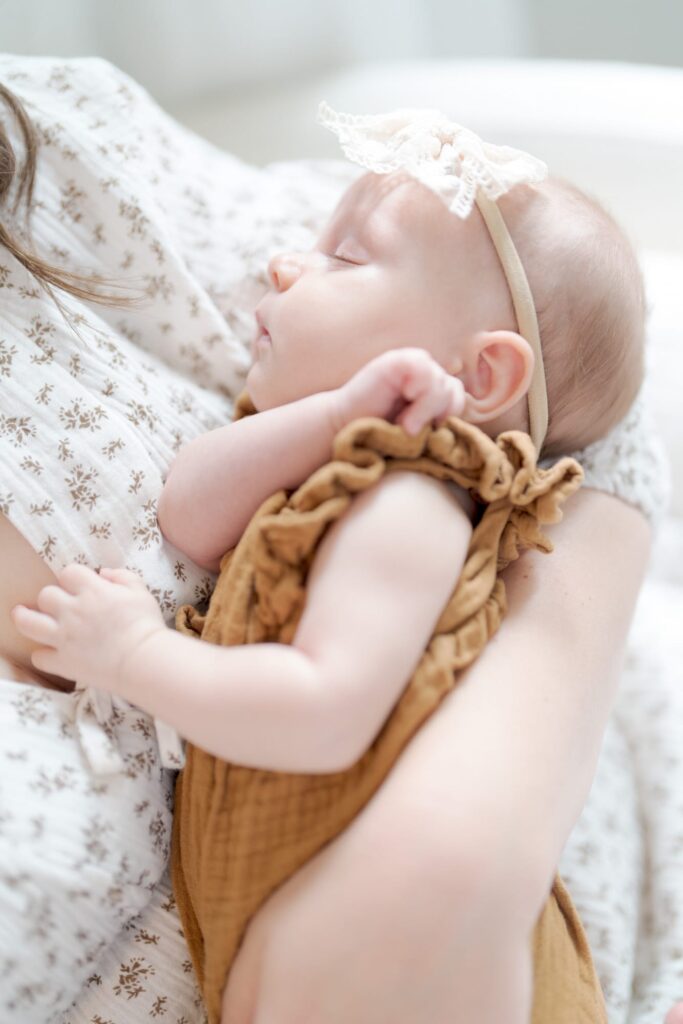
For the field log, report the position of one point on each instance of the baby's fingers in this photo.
(429, 406)
(34, 625)
(456, 405)
(52, 600)
(123, 576)
(75, 578)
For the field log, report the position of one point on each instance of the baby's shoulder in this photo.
(406, 529)
(408, 504)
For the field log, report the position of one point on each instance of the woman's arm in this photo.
(555, 664)
(569, 617)
(378, 584)
(217, 481)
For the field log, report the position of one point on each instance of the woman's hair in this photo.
(21, 178)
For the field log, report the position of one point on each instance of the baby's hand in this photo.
(90, 625)
(405, 384)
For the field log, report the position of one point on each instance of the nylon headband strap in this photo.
(525, 311)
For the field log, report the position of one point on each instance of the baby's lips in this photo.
(262, 335)
(261, 341)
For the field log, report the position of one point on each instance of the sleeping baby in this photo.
(409, 372)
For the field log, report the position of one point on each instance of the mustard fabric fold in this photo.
(240, 832)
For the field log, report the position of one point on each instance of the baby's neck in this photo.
(516, 418)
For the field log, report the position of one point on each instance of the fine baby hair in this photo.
(573, 277)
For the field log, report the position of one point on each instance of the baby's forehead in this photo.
(394, 202)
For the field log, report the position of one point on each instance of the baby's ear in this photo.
(497, 369)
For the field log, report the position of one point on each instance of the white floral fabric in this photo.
(631, 464)
(93, 407)
(81, 855)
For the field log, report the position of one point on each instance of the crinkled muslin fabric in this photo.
(81, 855)
(92, 411)
(241, 832)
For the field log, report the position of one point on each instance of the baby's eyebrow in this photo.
(339, 229)
(372, 231)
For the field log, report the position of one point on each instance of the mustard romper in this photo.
(240, 832)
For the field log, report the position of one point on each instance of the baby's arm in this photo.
(218, 480)
(379, 582)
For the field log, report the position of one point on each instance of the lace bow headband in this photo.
(463, 170)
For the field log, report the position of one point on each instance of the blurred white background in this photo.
(205, 59)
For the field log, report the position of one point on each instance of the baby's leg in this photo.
(675, 1014)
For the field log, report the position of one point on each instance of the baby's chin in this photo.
(261, 396)
(255, 390)
(268, 389)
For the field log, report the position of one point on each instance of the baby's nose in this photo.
(284, 269)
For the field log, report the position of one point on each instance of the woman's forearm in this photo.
(575, 608)
(536, 700)
(219, 479)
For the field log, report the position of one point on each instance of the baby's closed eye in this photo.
(344, 257)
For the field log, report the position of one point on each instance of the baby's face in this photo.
(392, 269)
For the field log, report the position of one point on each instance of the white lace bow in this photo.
(451, 160)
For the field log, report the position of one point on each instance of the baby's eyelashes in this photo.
(349, 250)
(345, 259)
(351, 255)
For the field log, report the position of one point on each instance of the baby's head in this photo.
(395, 268)
(589, 296)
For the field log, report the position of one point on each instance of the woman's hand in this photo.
(89, 625)
(406, 385)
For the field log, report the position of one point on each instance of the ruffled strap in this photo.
(459, 451)
(502, 470)
(261, 590)
(502, 474)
